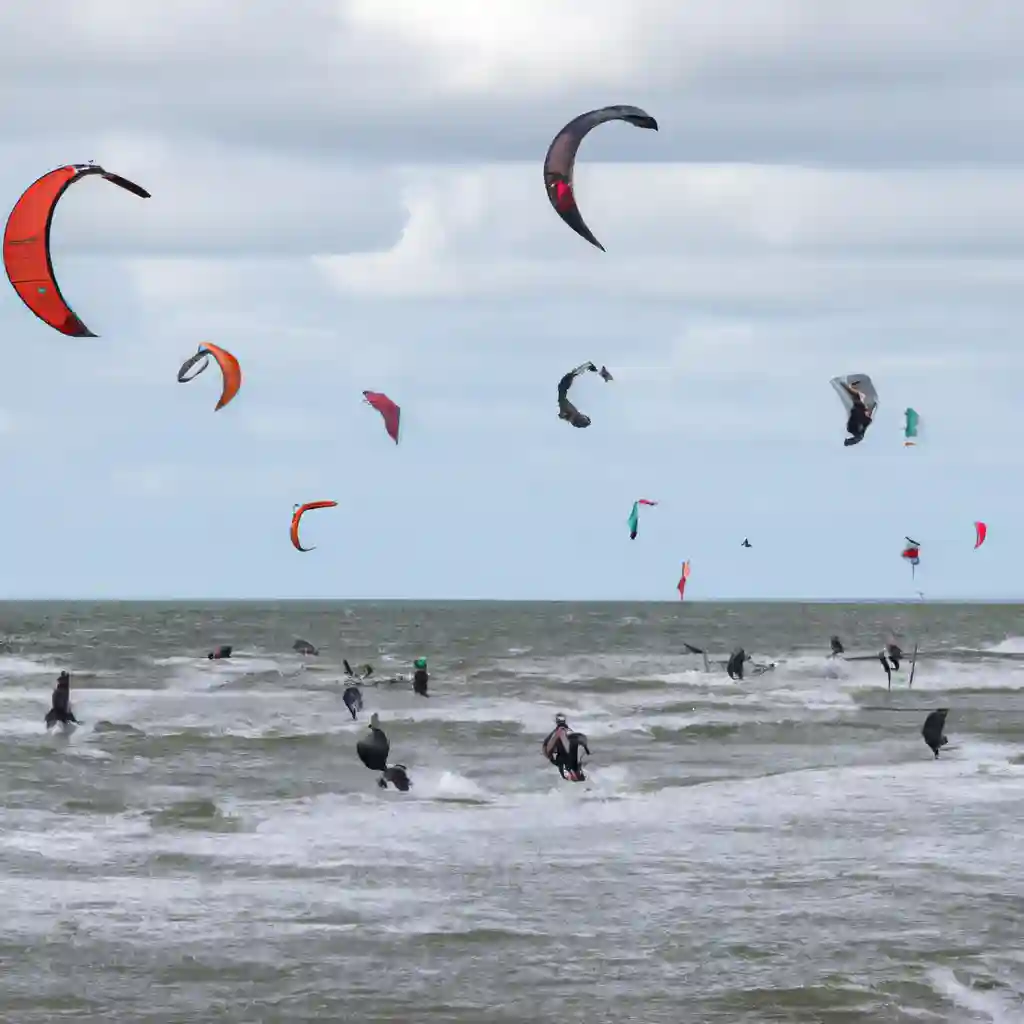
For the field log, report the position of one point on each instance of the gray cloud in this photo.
(915, 83)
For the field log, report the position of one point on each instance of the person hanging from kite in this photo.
(861, 400)
(860, 416)
(566, 410)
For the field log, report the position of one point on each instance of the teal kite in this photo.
(910, 428)
(633, 522)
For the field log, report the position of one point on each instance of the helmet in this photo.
(420, 663)
(560, 719)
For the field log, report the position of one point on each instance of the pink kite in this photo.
(391, 413)
(981, 532)
(681, 585)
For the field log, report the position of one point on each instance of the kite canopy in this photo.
(230, 370)
(859, 382)
(300, 511)
(27, 257)
(684, 576)
(391, 413)
(561, 160)
(980, 533)
(633, 522)
(912, 554)
(910, 428)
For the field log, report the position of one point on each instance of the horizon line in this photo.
(514, 600)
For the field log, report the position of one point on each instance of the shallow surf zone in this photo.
(785, 848)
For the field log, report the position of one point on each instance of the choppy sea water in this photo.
(207, 847)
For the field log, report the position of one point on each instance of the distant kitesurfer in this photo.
(837, 647)
(894, 653)
(420, 678)
(397, 775)
(373, 751)
(885, 665)
(61, 703)
(701, 652)
(304, 647)
(224, 651)
(561, 747)
(746, 543)
(860, 415)
(353, 699)
(932, 730)
(364, 673)
(735, 664)
(566, 410)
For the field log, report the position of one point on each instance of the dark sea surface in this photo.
(207, 847)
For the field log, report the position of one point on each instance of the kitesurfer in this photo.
(885, 665)
(364, 673)
(373, 751)
(420, 678)
(561, 747)
(932, 730)
(837, 647)
(566, 410)
(60, 710)
(397, 775)
(224, 651)
(353, 699)
(860, 415)
(574, 766)
(894, 653)
(735, 664)
(304, 647)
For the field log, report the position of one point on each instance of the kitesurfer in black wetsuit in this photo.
(561, 747)
(860, 416)
(373, 751)
(735, 664)
(420, 678)
(224, 651)
(837, 647)
(932, 730)
(885, 665)
(353, 699)
(894, 653)
(890, 656)
(61, 703)
(566, 410)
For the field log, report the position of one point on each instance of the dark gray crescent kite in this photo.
(561, 159)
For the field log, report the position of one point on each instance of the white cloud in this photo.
(765, 235)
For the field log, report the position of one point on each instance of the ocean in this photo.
(207, 847)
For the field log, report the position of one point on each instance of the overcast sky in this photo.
(348, 196)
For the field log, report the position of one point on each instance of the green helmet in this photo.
(420, 663)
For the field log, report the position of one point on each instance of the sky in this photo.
(348, 195)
